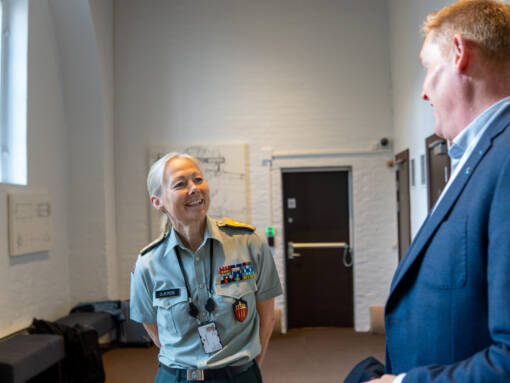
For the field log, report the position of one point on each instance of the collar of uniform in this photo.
(211, 231)
(174, 240)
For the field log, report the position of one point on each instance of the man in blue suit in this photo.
(448, 312)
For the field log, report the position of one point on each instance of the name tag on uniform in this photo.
(168, 293)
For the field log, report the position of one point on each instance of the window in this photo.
(13, 91)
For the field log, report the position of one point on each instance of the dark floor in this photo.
(318, 355)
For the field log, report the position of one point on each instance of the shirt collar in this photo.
(211, 231)
(471, 132)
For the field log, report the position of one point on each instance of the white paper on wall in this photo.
(29, 223)
(225, 170)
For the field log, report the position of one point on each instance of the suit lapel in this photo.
(433, 221)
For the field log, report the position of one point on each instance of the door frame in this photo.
(313, 169)
(403, 156)
(429, 143)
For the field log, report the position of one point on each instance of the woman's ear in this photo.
(156, 202)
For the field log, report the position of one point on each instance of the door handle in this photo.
(347, 252)
(321, 245)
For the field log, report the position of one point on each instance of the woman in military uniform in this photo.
(205, 289)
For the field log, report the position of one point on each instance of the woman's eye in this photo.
(199, 180)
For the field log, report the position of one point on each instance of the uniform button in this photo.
(201, 286)
(197, 260)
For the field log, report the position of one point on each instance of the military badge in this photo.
(240, 309)
(235, 273)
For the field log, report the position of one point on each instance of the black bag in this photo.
(132, 333)
(83, 362)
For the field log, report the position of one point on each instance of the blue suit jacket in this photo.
(448, 313)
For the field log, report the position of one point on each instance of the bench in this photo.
(24, 356)
(102, 322)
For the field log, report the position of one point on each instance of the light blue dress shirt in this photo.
(466, 141)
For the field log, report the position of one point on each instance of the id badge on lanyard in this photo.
(209, 337)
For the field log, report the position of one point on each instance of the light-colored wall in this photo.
(413, 118)
(291, 75)
(70, 155)
(38, 284)
(85, 43)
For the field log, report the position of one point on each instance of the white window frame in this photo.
(13, 91)
(3, 74)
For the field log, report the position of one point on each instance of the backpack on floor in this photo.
(83, 362)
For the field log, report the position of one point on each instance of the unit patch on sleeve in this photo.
(235, 273)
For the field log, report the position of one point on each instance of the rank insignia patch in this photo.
(235, 273)
(240, 310)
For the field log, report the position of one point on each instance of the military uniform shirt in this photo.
(158, 295)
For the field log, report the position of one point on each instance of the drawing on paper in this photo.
(225, 170)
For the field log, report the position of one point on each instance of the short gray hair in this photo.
(156, 174)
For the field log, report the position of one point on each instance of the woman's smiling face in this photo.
(185, 193)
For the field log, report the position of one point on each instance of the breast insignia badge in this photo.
(240, 309)
(236, 272)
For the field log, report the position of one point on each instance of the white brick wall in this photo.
(37, 285)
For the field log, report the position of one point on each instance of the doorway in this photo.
(403, 202)
(438, 167)
(316, 212)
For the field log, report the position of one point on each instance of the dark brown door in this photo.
(403, 202)
(438, 167)
(319, 284)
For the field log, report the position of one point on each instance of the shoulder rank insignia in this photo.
(154, 243)
(229, 222)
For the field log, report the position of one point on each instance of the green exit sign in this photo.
(270, 230)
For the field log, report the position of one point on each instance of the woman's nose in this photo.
(192, 188)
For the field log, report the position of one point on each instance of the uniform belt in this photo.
(204, 375)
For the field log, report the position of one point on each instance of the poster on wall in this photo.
(225, 169)
(29, 223)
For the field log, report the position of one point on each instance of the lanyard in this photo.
(210, 305)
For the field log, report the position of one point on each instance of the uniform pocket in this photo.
(236, 290)
(171, 302)
(227, 295)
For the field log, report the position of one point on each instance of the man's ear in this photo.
(461, 53)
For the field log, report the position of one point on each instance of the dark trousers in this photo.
(251, 375)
